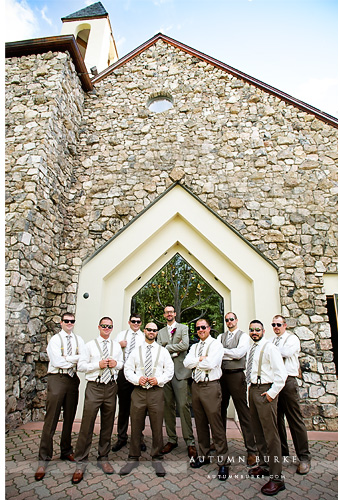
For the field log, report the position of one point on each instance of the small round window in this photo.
(160, 103)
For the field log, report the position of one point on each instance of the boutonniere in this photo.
(173, 331)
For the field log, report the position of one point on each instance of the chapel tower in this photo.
(92, 30)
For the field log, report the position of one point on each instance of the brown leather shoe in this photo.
(77, 476)
(105, 466)
(192, 452)
(251, 459)
(69, 457)
(40, 473)
(273, 487)
(303, 468)
(258, 472)
(168, 447)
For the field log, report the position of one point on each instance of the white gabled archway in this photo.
(175, 222)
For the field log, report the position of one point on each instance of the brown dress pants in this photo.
(101, 397)
(62, 393)
(288, 404)
(264, 419)
(142, 401)
(234, 385)
(206, 404)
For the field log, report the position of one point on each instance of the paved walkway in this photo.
(181, 482)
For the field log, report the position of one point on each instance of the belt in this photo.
(260, 385)
(236, 370)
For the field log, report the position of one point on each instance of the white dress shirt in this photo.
(164, 369)
(236, 352)
(289, 347)
(58, 357)
(89, 360)
(212, 364)
(273, 370)
(140, 338)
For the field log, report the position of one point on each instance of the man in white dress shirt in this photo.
(205, 360)
(101, 361)
(63, 351)
(266, 374)
(288, 403)
(233, 381)
(129, 340)
(148, 368)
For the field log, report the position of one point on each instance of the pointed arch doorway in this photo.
(176, 222)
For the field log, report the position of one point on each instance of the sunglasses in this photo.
(151, 330)
(135, 321)
(276, 324)
(69, 321)
(106, 326)
(255, 329)
(201, 328)
(229, 319)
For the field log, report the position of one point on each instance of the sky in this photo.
(289, 44)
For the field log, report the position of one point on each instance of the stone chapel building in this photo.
(115, 165)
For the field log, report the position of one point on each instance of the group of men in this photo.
(150, 372)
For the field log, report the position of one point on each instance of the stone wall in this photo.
(264, 166)
(44, 104)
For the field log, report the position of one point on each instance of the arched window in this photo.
(82, 40)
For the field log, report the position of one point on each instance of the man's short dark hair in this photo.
(170, 305)
(138, 316)
(256, 321)
(67, 314)
(105, 317)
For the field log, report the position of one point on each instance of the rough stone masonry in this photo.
(80, 166)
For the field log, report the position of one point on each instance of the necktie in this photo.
(250, 363)
(132, 344)
(171, 333)
(70, 371)
(277, 340)
(198, 371)
(148, 365)
(229, 336)
(106, 375)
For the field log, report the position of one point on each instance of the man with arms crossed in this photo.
(288, 403)
(205, 360)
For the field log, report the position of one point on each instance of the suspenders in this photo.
(260, 364)
(124, 348)
(61, 370)
(206, 376)
(156, 362)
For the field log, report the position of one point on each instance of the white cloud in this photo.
(43, 15)
(21, 22)
(321, 93)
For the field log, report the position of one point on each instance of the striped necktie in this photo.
(198, 371)
(148, 365)
(106, 375)
(132, 344)
(277, 340)
(250, 363)
(70, 371)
